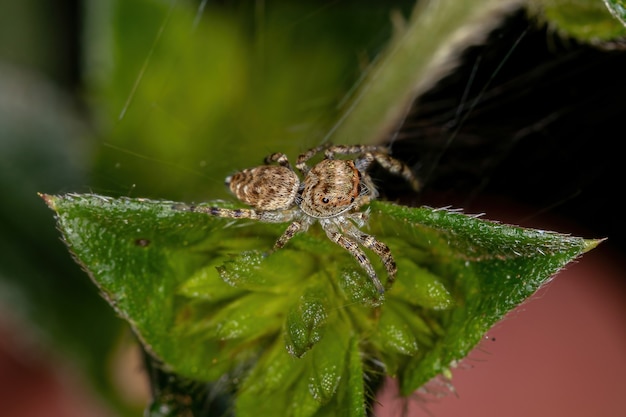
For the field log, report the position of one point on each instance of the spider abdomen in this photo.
(266, 187)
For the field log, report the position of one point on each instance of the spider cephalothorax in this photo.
(330, 188)
(331, 193)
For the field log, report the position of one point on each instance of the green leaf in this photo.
(208, 297)
(617, 9)
(589, 21)
(305, 323)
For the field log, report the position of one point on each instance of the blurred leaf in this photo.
(191, 97)
(241, 320)
(617, 9)
(45, 144)
(589, 21)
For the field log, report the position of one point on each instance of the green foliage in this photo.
(590, 21)
(617, 9)
(304, 324)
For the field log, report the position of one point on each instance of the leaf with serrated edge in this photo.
(153, 264)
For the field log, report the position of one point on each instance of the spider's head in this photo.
(330, 188)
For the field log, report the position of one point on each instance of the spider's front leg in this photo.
(260, 215)
(333, 233)
(360, 217)
(291, 231)
(376, 246)
(395, 167)
(371, 153)
(331, 151)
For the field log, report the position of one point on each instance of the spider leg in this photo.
(304, 157)
(376, 246)
(399, 168)
(333, 150)
(360, 217)
(278, 157)
(353, 247)
(368, 189)
(290, 232)
(379, 154)
(263, 216)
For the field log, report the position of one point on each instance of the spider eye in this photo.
(352, 200)
(325, 200)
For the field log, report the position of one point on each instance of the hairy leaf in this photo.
(302, 325)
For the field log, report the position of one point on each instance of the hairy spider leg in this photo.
(360, 217)
(293, 229)
(261, 215)
(333, 233)
(290, 232)
(264, 216)
(331, 151)
(304, 157)
(370, 153)
(367, 195)
(399, 168)
(301, 162)
(376, 246)
(278, 157)
(379, 154)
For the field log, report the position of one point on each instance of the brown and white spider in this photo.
(330, 193)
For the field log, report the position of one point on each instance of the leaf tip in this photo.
(48, 199)
(592, 243)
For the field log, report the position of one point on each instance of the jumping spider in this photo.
(331, 193)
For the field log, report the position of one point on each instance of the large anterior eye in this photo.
(325, 200)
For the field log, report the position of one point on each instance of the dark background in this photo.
(541, 128)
